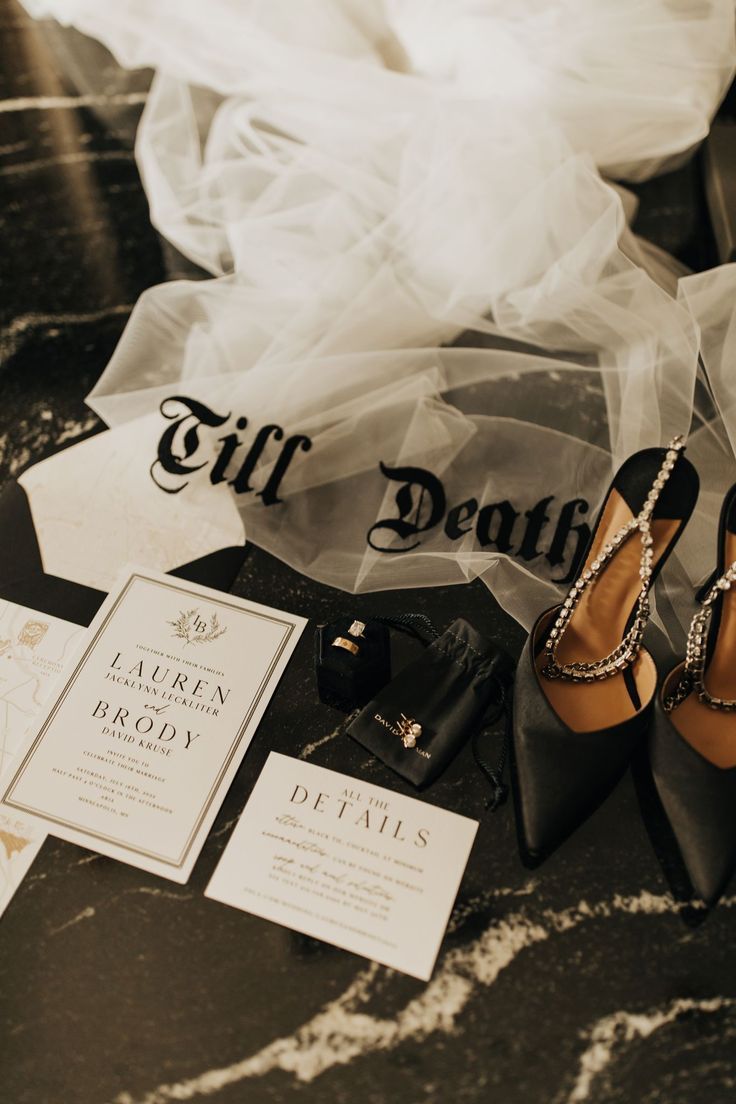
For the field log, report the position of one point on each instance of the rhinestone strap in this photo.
(693, 675)
(625, 653)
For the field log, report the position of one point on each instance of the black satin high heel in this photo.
(578, 718)
(692, 746)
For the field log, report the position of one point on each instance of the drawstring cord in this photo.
(411, 623)
(494, 774)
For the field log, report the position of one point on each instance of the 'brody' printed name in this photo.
(123, 728)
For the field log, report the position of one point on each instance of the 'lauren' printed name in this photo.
(169, 685)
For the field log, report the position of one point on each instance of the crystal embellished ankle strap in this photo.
(692, 678)
(626, 652)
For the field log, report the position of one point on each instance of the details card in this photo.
(34, 649)
(342, 860)
(151, 722)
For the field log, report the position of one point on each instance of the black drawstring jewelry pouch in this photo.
(417, 723)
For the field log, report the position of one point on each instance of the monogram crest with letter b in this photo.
(191, 627)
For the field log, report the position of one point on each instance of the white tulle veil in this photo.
(421, 276)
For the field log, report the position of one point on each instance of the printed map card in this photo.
(34, 649)
(343, 860)
(151, 722)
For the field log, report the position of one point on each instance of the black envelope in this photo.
(24, 581)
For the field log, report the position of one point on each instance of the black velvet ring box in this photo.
(345, 678)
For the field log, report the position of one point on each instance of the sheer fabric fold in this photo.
(418, 272)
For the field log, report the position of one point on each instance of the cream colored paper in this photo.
(147, 730)
(34, 649)
(343, 860)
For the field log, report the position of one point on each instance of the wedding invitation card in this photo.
(34, 649)
(150, 724)
(342, 860)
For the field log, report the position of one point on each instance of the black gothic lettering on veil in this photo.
(422, 504)
(427, 484)
(536, 520)
(459, 514)
(181, 441)
(241, 482)
(230, 442)
(501, 535)
(269, 494)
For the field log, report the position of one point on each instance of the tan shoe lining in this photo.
(712, 732)
(598, 625)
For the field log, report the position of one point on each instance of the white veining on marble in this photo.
(33, 878)
(14, 147)
(309, 749)
(70, 429)
(51, 103)
(465, 909)
(154, 891)
(85, 914)
(224, 829)
(341, 1032)
(612, 1032)
(77, 158)
(147, 891)
(12, 335)
(74, 427)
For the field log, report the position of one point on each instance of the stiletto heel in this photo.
(692, 747)
(585, 685)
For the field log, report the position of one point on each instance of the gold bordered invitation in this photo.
(346, 861)
(144, 736)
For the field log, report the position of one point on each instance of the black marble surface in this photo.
(577, 982)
